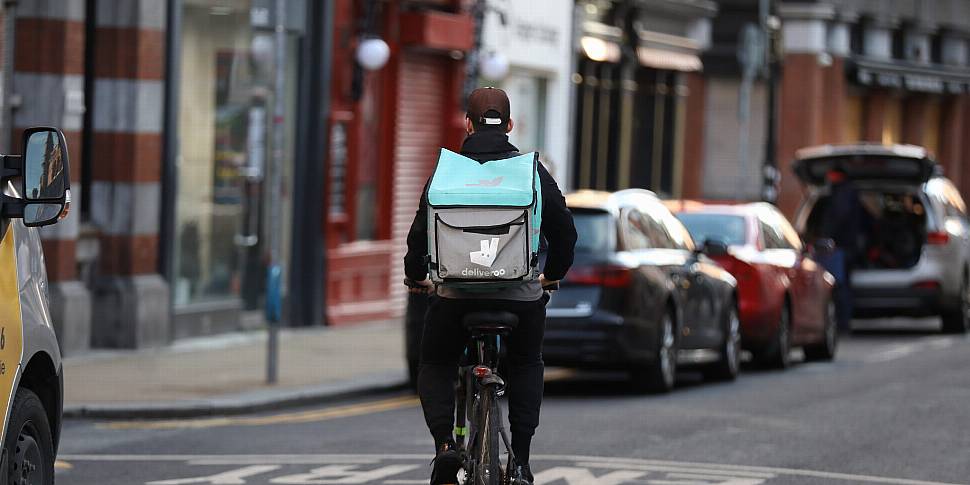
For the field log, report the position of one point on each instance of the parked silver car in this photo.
(914, 239)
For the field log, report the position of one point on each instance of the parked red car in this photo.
(784, 295)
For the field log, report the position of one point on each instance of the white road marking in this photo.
(632, 467)
(582, 476)
(677, 469)
(232, 477)
(779, 471)
(342, 474)
(688, 480)
(903, 350)
(716, 479)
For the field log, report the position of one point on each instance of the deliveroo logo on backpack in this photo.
(487, 255)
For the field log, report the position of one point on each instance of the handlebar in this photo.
(411, 283)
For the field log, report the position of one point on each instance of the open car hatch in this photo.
(897, 163)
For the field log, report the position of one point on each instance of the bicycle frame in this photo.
(479, 385)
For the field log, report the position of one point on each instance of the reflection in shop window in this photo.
(225, 93)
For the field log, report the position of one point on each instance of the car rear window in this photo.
(596, 231)
(729, 229)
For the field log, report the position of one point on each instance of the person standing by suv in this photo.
(487, 124)
(843, 218)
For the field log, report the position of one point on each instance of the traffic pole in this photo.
(9, 44)
(274, 274)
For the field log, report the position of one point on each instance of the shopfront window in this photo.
(225, 124)
(528, 95)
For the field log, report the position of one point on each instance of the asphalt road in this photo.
(893, 408)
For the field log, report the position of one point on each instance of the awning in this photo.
(670, 60)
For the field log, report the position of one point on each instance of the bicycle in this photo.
(477, 393)
(479, 387)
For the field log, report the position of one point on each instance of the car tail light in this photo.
(927, 285)
(938, 237)
(608, 276)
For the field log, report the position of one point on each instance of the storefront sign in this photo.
(910, 78)
(532, 34)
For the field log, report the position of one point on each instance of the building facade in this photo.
(535, 38)
(386, 129)
(179, 115)
(887, 71)
(638, 81)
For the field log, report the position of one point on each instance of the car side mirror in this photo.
(714, 248)
(45, 178)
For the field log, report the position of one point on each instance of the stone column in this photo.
(916, 49)
(132, 307)
(49, 84)
(877, 44)
(804, 30)
(955, 51)
(836, 84)
(693, 180)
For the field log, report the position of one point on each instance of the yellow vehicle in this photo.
(36, 193)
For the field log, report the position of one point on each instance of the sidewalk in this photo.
(226, 374)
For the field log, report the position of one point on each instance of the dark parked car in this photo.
(640, 296)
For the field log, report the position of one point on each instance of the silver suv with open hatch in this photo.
(914, 257)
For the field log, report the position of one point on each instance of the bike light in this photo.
(939, 237)
(481, 371)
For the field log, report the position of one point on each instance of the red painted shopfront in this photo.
(386, 129)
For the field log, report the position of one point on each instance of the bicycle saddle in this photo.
(493, 322)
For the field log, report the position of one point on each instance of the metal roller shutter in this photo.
(419, 128)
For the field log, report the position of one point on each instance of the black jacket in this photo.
(557, 222)
(844, 217)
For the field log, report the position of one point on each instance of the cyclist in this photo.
(487, 124)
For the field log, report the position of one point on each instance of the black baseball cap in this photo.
(488, 107)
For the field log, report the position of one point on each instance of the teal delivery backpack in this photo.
(484, 221)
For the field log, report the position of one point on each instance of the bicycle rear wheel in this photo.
(488, 469)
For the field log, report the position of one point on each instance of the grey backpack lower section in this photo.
(483, 248)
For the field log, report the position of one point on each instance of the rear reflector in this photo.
(608, 276)
(481, 371)
(939, 237)
(927, 285)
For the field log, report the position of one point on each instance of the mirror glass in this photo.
(38, 214)
(44, 175)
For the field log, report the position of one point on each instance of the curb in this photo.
(244, 403)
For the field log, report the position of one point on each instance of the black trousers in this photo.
(443, 344)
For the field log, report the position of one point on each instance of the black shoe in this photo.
(446, 464)
(522, 475)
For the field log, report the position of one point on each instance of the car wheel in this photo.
(825, 349)
(729, 362)
(28, 448)
(659, 375)
(778, 353)
(958, 321)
